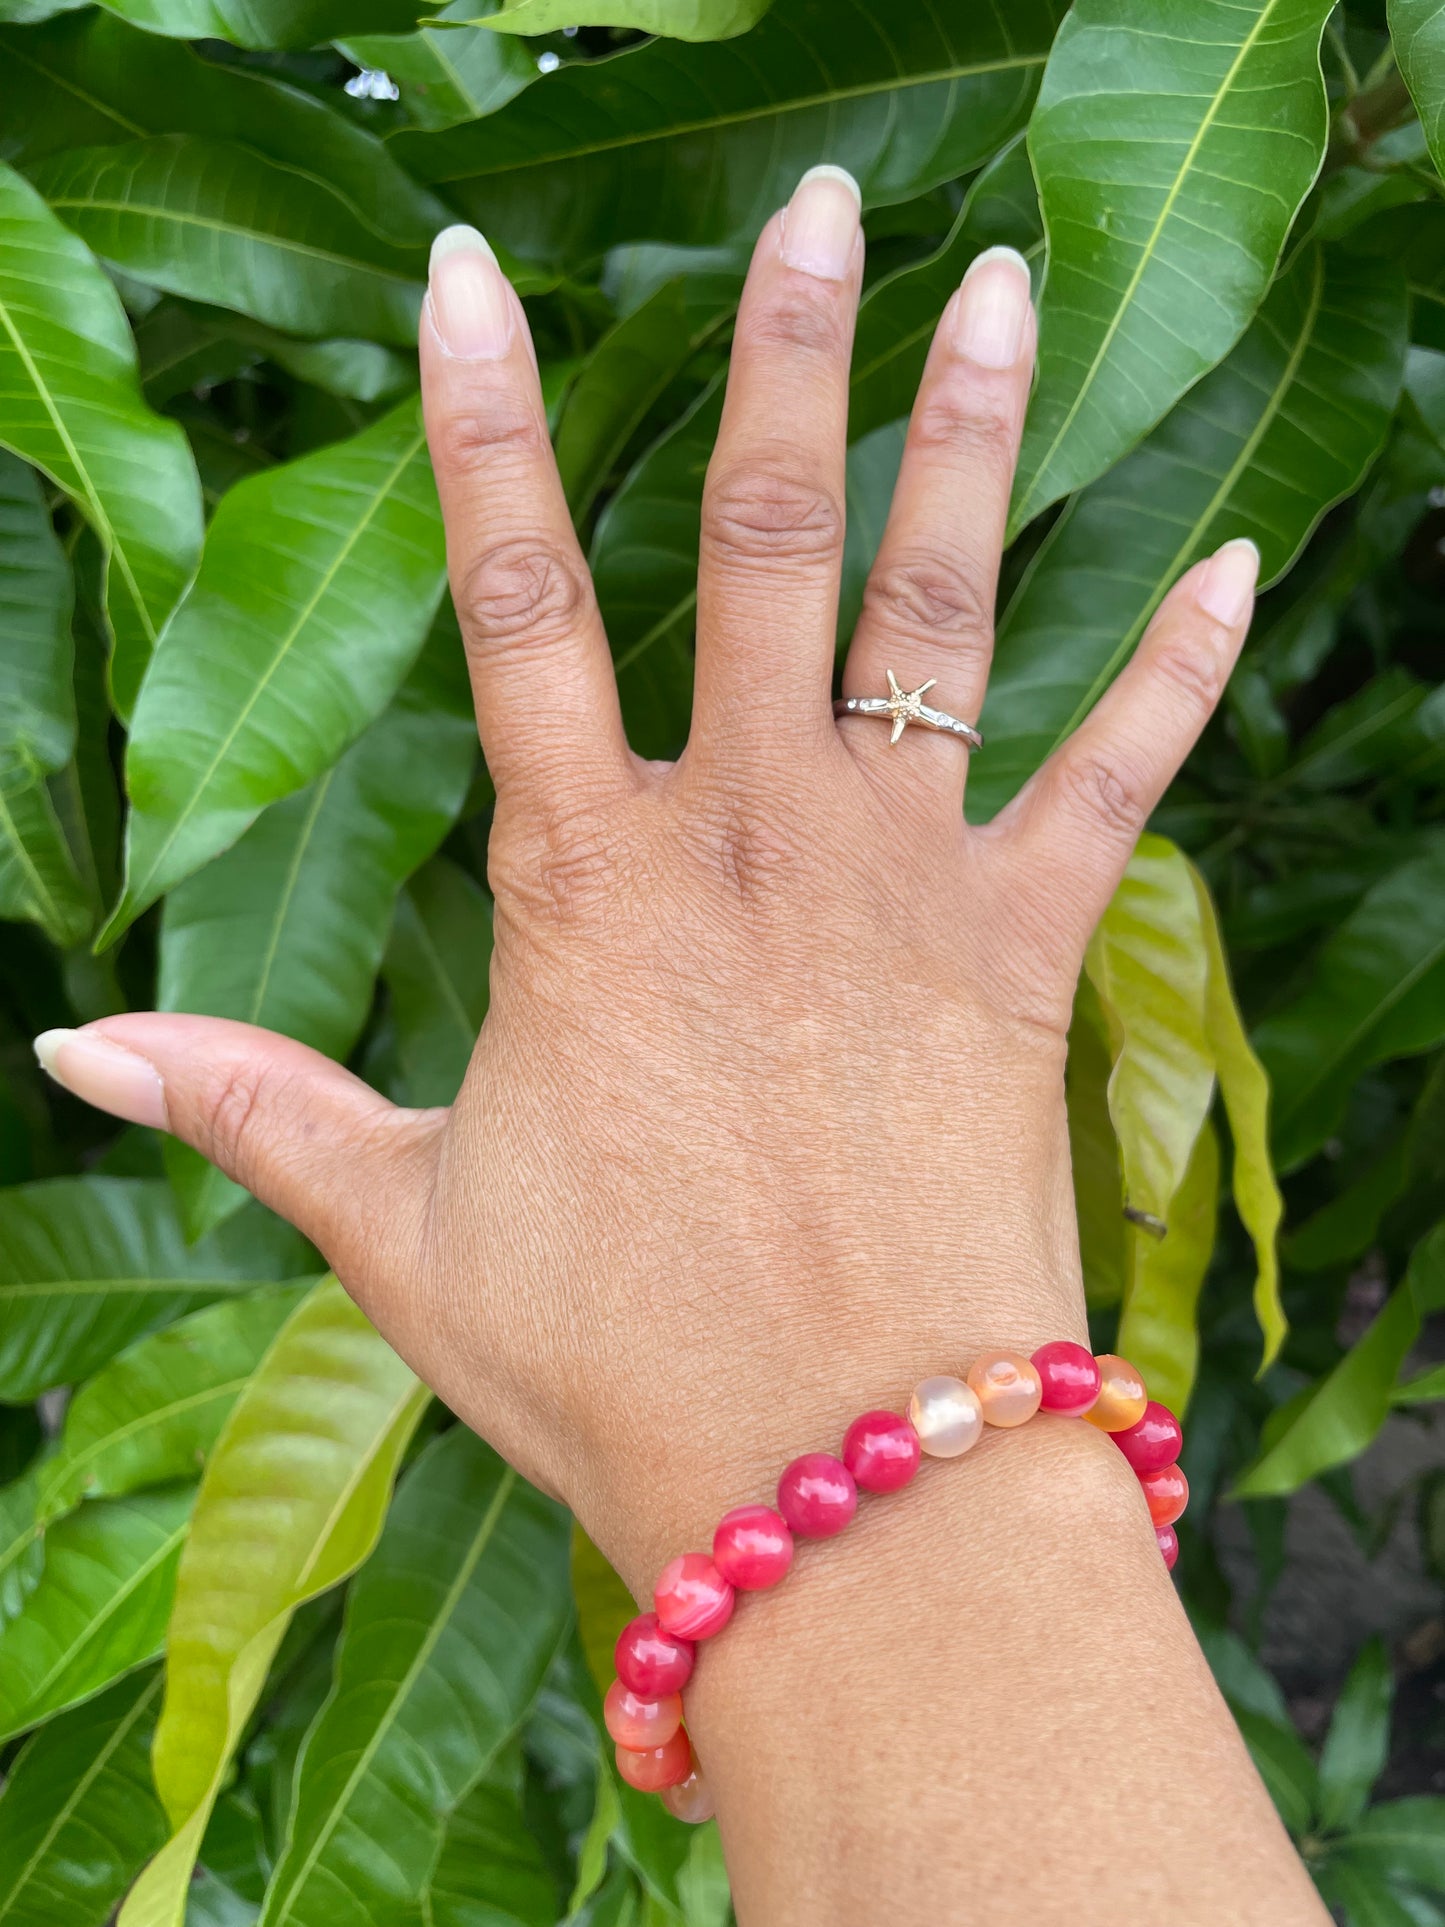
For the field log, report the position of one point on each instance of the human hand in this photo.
(766, 1120)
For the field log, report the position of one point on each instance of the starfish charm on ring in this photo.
(905, 706)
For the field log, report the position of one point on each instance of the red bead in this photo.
(752, 1547)
(1070, 1377)
(817, 1496)
(640, 1724)
(659, 1767)
(651, 1662)
(1167, 1491)
(881, 1450)
(1168, 1540)
(692, 1598)
(1154, 1442)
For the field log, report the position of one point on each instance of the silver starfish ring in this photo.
(905, 706)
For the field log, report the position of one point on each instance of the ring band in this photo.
(905, 706)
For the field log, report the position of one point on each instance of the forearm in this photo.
(984, 1702)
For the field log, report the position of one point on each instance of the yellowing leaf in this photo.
(604, 1606)
(1148, 964)
(292, 1501)
(1245, 1089)
(1158, 1331)
(1094, 1152)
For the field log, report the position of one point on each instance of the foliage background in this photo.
(238, 775)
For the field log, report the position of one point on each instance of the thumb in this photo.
(348, 1169)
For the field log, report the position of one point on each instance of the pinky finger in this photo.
(1073, 827)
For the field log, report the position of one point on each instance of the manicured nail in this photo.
(993, 308)
(468, 297)
(104, 1074)
(1226, 587)
(820, 223)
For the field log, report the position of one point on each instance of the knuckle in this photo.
(473, 438)
(522, 589)
(976, 427)
(562, 873)
(1109, 794)
(1192, 670)
(807, 321)
(747, 849)
(761, 511)
(930, 594)
(229, 1113)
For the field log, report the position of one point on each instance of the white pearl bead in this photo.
(947, 1416)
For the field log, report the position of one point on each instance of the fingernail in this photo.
(468, 297)
(104, 1074)
(820, 223)
(993, 308)
(1227, 585)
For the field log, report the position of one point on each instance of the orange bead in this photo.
(1007, 1386)
(658, 1767)
(1122, 1397)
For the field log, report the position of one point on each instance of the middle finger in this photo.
(772, 521)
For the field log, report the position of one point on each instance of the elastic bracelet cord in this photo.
(752, 1548)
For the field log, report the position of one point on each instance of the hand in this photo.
(766, 1121)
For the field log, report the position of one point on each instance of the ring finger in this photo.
(929, 604)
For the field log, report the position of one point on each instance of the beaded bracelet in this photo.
(752, 1548)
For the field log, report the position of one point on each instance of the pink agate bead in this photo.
(640, 1724)
(692, 1598)
(1167, 1492)
(691, 1800)
(881, 1450)
(817, 1496)
(1068, 1377)
(1007, 1386)
(1168, 1542)
(659, 1767)
(651, 1662)
(1154, 1442)
(752, 1547)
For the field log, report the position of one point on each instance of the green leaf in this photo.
(89, 1264)
(1367, 1901)
(78, 1814)
(1284, 1765)
(1261, 448)
(896, 321)
(490, 1872)
(1170, 165)
(214, 220)
(37, 703)
(39, 882)
(1336, 1418)
(1358, 1742)
(1158, 1330)
(153, 1413)
(1245, 1091)
(1422, 1389)
(701, 144)
(1417, 29)
(437, 973)
(1403, 1838)
(22, 1549)
(291, 1502)
(70, 403)
(627, 373)
(100, 1607)
(449, 1630)
(1148, 963)
(318, 585)
(604, 1606)
(287, 928)
(1094, 1152)
(92, 80)
(447, 73)
(1376, 991)
(677, 19)
(268, 23)
(592, 1855)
